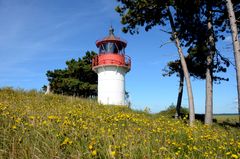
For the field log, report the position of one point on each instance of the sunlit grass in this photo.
(231, 119)
(33, 125)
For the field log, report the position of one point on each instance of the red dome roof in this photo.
(111, 38)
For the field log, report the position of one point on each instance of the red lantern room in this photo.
(111, 52)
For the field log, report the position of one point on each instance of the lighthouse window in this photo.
(122, 51)
(102, 49)
(110, 47)
(121, 48)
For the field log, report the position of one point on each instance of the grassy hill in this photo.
(33, 125)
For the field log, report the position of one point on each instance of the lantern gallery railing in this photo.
(111, 59)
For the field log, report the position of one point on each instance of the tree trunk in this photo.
(180, 93)
(236, 47)
(209, 94)
(209, 71)
(185, 69)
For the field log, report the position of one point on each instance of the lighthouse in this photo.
(111, 64)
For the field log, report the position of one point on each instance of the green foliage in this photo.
(142, 13)
(191, 28)
(192, 22)
(150, 13)
(78, 79)
(171, 111)
(196, 62)
(33, 125)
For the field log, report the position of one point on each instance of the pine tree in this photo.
(77, 79)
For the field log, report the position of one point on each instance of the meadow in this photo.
(36, 126)
(231, 119)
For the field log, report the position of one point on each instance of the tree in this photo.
(202, 25)
(209, 70)
(77, 79)
(197, 69)
(236, 46)
(198, 26)
(151, 13)
(172, 68)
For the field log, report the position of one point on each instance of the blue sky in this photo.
(41, 35)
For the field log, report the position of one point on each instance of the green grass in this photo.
(231, 119)
(33, 125)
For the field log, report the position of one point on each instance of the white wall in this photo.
(111, 85)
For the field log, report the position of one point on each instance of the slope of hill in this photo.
(33, 125)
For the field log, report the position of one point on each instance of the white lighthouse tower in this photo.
(111, 65)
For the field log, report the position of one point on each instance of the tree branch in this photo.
(165, 31)
(218, 11)
(218, 53)
(166, 43)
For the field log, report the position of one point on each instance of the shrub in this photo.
(171, 111)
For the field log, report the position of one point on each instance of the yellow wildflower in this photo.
(90, 147)
(113, 153)
(163, 148)
(66, 141)
(31, 117)
(234, 156)
(18, 120)
(94, 152)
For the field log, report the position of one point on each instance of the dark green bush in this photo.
(171, 111)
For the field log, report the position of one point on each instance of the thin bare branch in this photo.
(219, 54)
(218, 11)
(166, 43)
(165, 31)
